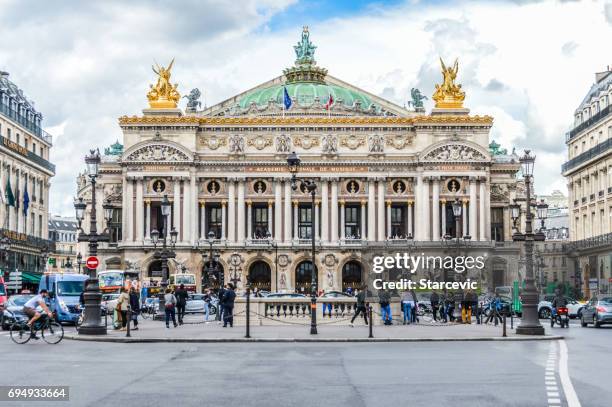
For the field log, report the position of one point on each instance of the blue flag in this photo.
(286, 99)
(26, 201)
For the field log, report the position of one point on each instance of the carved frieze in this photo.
(306, 142)
(260, 142)
(398, 141)
(376, 143)
(283, 144)
(157, 152)
(454, 152)
(213, 142)
(330, 144)
(353, 142)
(236, 144)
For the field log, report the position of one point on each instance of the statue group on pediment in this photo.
(330, 144)
(376, 143)
(283, 144)
(157, 153)
(236, 144)
(455, 153)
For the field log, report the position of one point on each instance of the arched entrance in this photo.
(303, 277)
(499, 273)
(260, 276)
(351, 276)
(214, 279)
(155, 269)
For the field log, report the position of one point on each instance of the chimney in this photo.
(600, 76)
(4, 74)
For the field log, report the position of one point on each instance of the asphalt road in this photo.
(318, 374)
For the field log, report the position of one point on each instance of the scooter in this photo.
(560, 317)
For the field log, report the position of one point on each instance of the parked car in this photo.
(335, 294)
(545, 307)
(286, 295)
(597, 311)
(109, 302)
(12, 310)
(195, 304)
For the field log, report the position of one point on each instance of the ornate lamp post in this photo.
(457, 214)
(274, 245)
(165, 253)
(293, 161)
(530, 324)
(79, 259)
(92, 324)
(5, 243)
(213, 258)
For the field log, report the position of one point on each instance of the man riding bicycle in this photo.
(29, 308)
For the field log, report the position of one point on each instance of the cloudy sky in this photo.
(527, 63)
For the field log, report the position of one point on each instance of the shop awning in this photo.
(29, 277)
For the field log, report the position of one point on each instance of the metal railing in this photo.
(590, 243)
(591, 121)
(27, 124)
(587, 155)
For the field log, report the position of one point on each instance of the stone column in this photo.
(363, 219)
(371, 211)
(426, 210)
(342, 221)
(231, 211)
(316, 220)
(464, 229)
(296, 234)
(18, 196)
(334, 211)
(130, 210)
(409, 223)
(381, 211)
(278, 211)
(287, 220)
(435, 209)
(176, 215)
(203, 233)
(389, 219)
(124, 208)
(418, 216)
(324, 210)
(249, 219)
(473, 222)
(223, 219)
(193, 209)
(270, 215)
(483, 213)
(241, 210)
(140, 209)
(148, 220)
(443, 210)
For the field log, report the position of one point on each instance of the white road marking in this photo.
(552, 392)
(566, 382)
(554, 401)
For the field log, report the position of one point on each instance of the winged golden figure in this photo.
(449, 94)
(163, 94)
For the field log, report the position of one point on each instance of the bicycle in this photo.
(51, 331)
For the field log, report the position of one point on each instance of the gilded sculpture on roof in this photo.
(449, 95)
(164, 94)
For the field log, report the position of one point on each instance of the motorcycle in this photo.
(561, 317)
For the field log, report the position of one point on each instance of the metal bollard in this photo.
(248, 312)
(129, 319)
(371, 322)
(512, 321)
(504, 327)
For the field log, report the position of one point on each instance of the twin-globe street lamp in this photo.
(92, 323)
(530, 324)
(165, 253)
(311, 187)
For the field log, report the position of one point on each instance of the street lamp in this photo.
(530, 324)
(92, 324)
(457, 214)
(212, 263)
(274, 245)
(5, 243)
(165, 253)
(309, 185)
(79, 258)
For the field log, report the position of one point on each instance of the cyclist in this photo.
(29, 308)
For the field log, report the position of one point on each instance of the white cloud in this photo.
(87, 65)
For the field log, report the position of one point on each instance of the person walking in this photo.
(220, 294)
(170, 308)
(450, 306)
(135, 307)
(407, 307)
(495, 307)
(415, 307)
(229, 297)
(123, 302)
(434, 299)
(207, 299)
(384, 299)
(467, 306)
(181, 301)
(361, 306)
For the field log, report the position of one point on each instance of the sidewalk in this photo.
(195, 331)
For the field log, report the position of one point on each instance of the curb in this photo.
(107, 339)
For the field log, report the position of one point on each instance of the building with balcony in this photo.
(25, 175)
(589, 177)
(386, 179)
(63, 233)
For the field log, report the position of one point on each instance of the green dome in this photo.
(304, 93)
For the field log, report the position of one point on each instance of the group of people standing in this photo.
(443, 306)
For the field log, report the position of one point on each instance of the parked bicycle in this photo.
(50, 330)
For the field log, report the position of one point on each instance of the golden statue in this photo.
(164, 94)
(449, 95)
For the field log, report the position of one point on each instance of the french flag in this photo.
(330, 102)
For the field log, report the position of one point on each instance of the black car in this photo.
(12, 310)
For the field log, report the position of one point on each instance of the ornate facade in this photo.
(386, 176)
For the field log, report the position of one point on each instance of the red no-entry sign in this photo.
(92, 262)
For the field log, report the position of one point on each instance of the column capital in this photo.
(443, 201)
(249, 202)
(147, 201)
(410, 202)
(465, 200)
(295, 202)
(435, 178)
(388, 202)
(341, 202)
(473, 179)
(270, 202)
(223, 202)
(202, 203)
(317, 202)
(364, 202)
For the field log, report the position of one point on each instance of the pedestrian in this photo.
(467, 306)
(361, 308)
(407, 307)
(434, 299)
(207, 299)
(170, 308)
(220, 293)
(443, 316)
(229, 297)
(123, 302)
(415, 307)
(135, 306)
(450, 306)
(384, 299)
(181, 301)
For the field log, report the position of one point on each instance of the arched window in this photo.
(351, 275)
(155, 269)
(260, 276)
(303, 277)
